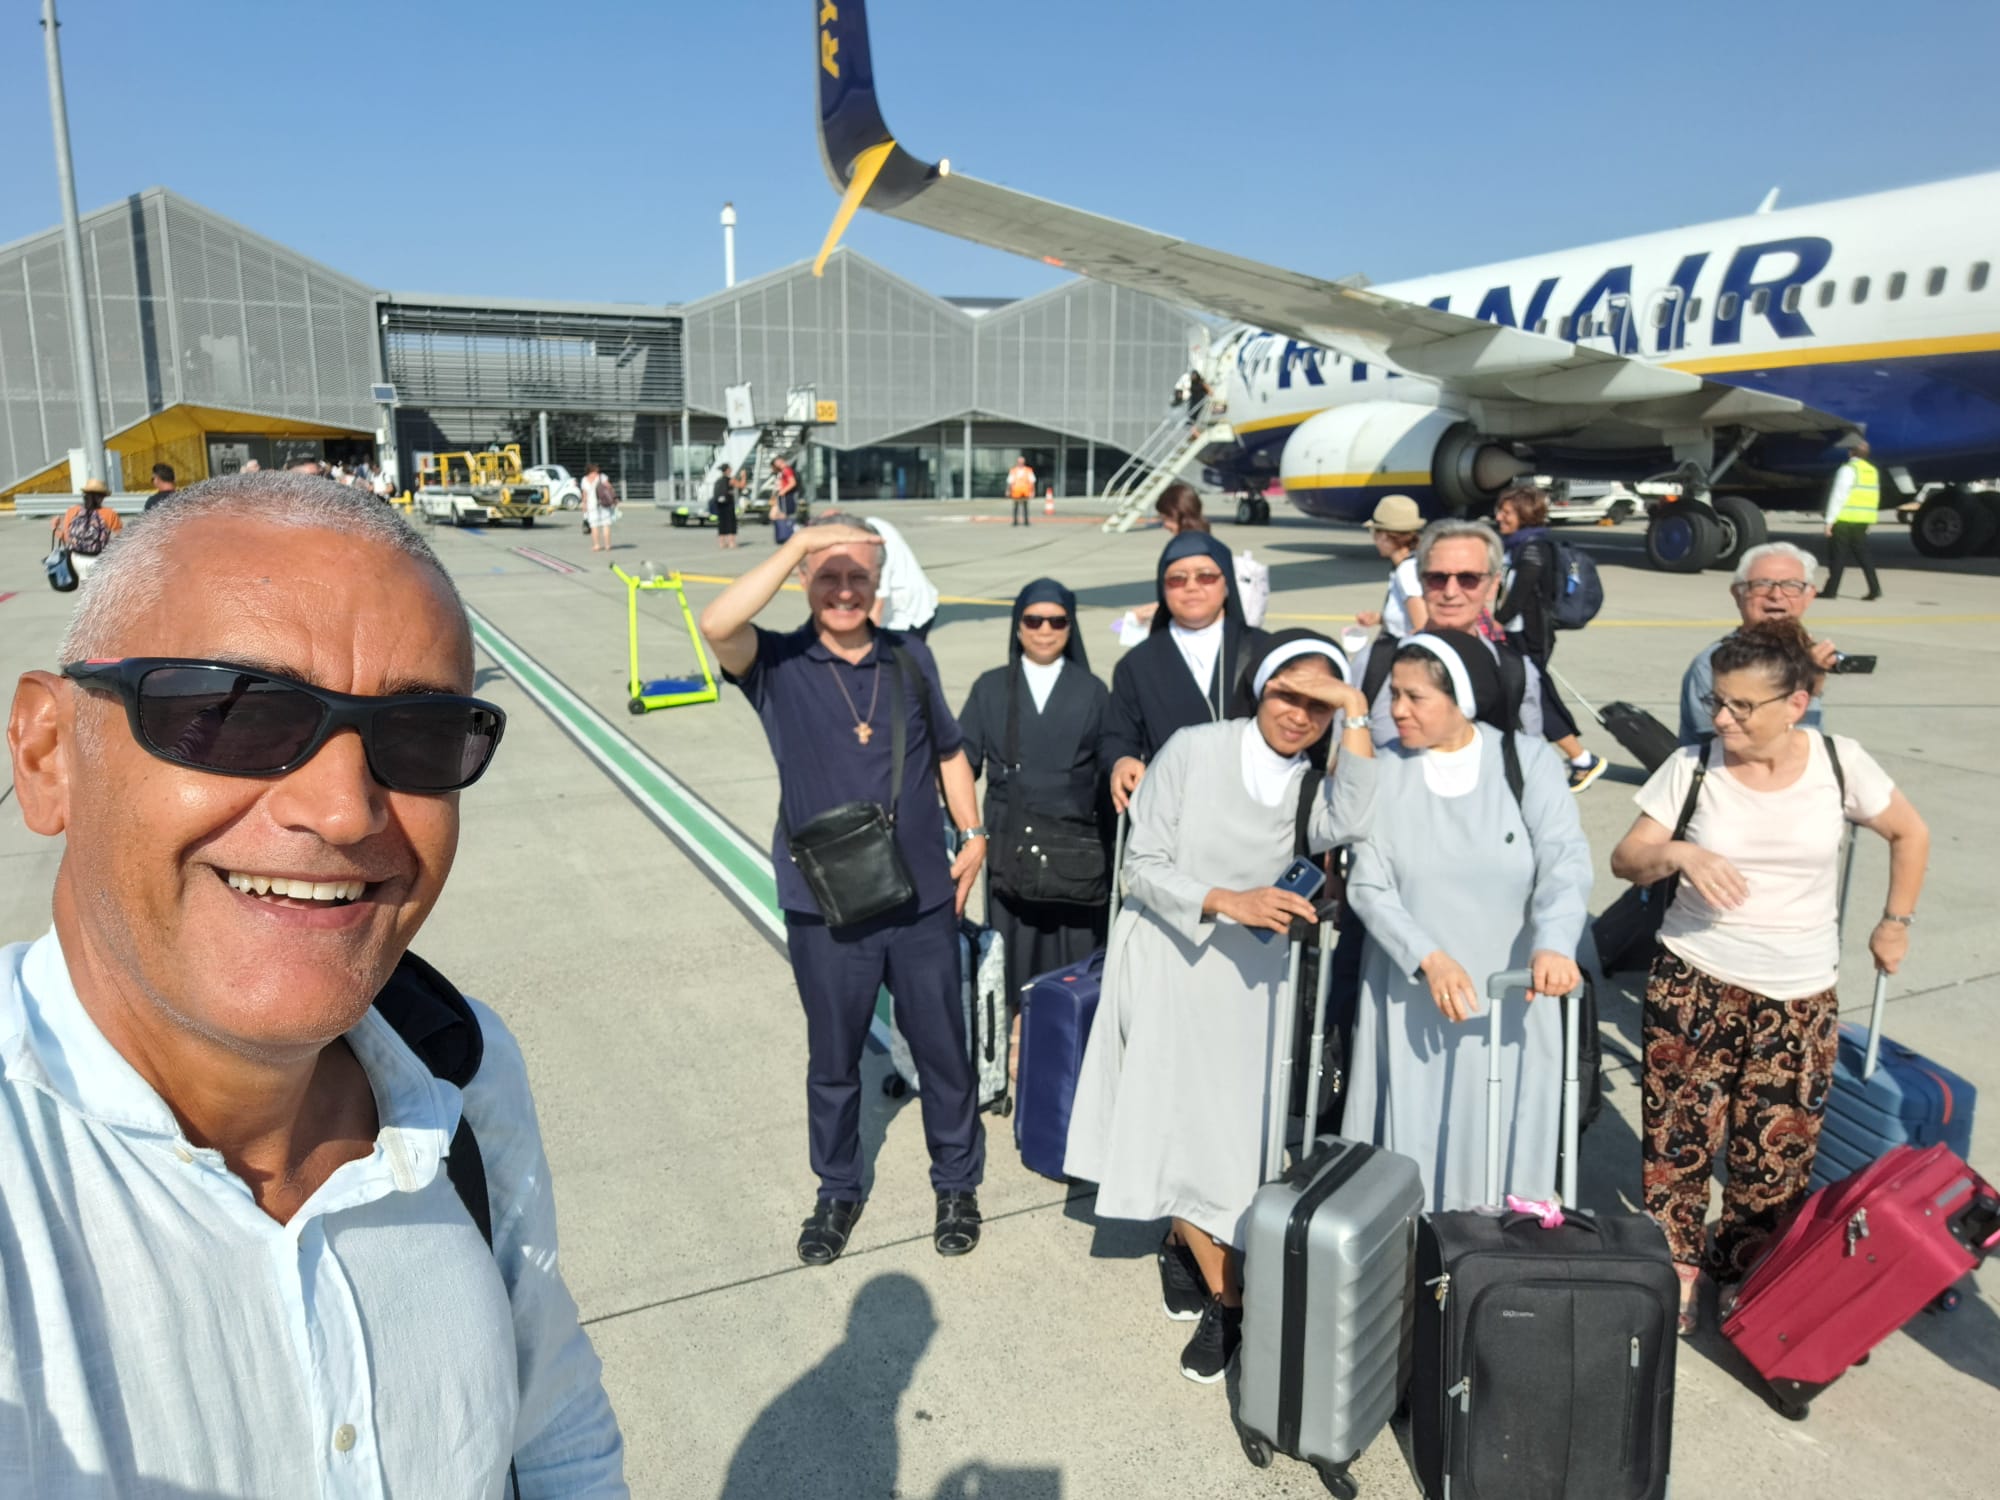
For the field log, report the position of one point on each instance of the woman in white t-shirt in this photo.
(1741, 1015)
(1396, 524)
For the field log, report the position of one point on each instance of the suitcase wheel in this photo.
(1005, 1107)
(1255, 1449)
(1792, 1411)
(1947, 1301)
(894, 1086)
(1337, 1482)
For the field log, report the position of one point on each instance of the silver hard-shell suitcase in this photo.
(1329, 1275)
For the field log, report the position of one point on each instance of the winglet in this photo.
(860, 155)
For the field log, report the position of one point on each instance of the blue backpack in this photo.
(1577, 590)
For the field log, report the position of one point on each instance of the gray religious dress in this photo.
(1489, 882)
(1170, 1106)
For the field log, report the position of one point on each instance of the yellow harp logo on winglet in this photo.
(829, 44)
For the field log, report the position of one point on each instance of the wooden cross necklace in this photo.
(864, 729)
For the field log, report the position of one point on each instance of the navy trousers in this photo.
(839, 975)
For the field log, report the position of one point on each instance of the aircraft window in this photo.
(1934, 283)
(1827, 289)
(1562, 329)
(1975, 280)
(1791, 298)
(1694, 310)
(1897, 281)
(1542, 324)
(1760, 301)
(1860, 291)
(1725, 307)
(1660, 315)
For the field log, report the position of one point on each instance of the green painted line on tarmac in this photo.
(742, 871)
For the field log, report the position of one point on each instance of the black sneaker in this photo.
(1182, 1293)
(823, 1236)
(957, 1229)
(1214, 1344)
(1583, 775)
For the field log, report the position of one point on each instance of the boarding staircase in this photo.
(1158, 461)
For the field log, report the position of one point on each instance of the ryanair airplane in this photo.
(1734, 357)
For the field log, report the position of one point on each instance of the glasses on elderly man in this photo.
(239, 721)
(1467, 582)
(1791, 586)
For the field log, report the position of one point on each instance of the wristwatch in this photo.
(976, 831)
(1909, 921)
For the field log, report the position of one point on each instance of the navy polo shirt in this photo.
(795, 686)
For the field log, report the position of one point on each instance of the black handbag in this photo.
(1628, 933)
(61, 571)
(1043, 854)
(848, 854)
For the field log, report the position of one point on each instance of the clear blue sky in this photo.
(583, 149)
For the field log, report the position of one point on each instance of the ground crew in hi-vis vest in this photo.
(1020, 489)
(1851, 505)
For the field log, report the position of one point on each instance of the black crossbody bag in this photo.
(848, 854)
(1043, 855)
(1628, 933)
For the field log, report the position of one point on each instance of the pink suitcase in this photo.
(1858, 1261)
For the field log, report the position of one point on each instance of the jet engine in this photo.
(1340, 462)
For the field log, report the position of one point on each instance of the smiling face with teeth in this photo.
(262, 914)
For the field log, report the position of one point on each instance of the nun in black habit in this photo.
(1033, 729)
(1186, 671)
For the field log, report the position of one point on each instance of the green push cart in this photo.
(665, 692)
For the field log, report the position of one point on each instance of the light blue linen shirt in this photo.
(160, 1335)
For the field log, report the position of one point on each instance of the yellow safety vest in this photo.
(1866, 497)
(1020, 482)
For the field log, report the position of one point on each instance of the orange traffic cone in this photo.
(1049, 503)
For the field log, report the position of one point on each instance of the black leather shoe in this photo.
(957, 1230)
(824, 1235)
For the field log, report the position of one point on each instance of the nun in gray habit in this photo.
(1170, 1111)
(1476, 863)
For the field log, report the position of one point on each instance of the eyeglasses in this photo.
(237, 721)
(1791, 586)
(1045, 622)
(1467, 582)
(1740, 712)
(1207, 579)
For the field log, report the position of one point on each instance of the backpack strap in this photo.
(435, 1021)
(1309, 785)
(1375, 671)
(1686, 817)
(1833, 759)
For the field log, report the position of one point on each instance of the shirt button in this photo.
(343, 1437)
(183, 1153)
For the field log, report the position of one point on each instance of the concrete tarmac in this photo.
(606, 902)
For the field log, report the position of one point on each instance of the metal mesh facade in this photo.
(1085, 359)
(185, 307)
(505, 358)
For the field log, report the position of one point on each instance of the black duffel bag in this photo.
(848, 854)
(1049, 847)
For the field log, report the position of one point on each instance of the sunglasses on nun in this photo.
(238, 721)
(1045, 622)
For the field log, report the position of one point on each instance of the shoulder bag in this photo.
(848, 854)
(61, 571)
(1043, 854)
(1628, 933)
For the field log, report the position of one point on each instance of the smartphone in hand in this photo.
(1302, 877)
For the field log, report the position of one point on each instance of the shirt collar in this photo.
(49, 1041)
(816, 649)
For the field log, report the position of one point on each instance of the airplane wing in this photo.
(1532, 382)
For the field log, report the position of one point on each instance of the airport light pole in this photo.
(729, 244)
(85, 348)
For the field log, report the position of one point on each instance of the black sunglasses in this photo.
(1467, 582)
(238, 721)
(1045, 622)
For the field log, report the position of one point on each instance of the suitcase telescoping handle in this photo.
(1497, 989)
(1284, 1038)
(1874, 1057)
(1118, 870)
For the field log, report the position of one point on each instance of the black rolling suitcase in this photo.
(1650, 741)
(1543, 1360)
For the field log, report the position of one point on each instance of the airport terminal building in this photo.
(216, 346)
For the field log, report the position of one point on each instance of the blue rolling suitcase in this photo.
(1885, 1095)
(1056, 1012)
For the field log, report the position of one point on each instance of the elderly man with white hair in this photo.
(1773, 582)
(275, 1217)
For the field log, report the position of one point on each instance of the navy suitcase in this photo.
(1056, 1013)
(1884, 1095)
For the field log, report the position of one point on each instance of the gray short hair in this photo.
(1808, 564)
(129, 576)
(1449, 527)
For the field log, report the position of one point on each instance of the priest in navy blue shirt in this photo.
(824, 693)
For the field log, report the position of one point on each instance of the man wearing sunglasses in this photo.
(1773, 582)
(1459, 563)
(218, 1156)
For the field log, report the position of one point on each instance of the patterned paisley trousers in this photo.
(1728, 1066)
